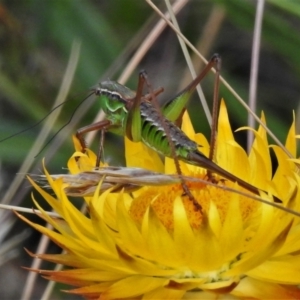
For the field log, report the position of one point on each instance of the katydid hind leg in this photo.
(174, 108)
(215, 112)
(210, 165)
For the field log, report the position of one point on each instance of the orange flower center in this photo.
(161, 199)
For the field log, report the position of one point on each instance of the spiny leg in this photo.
(216, 62)
(216, 102)
(102, 126)
(100, 148)
(175, 107)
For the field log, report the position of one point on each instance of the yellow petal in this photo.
(183, 234)
(159, 242)
(224, 129)
(164, 293)
(277, 271)
(127, 287)
(250, 288)
(291, 142)
(187, 126)
(231, 236)
(260, 147)
(250, 260)
(206, 251)
(231, 157)
(139, 155)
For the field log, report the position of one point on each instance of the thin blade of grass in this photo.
(254, 68)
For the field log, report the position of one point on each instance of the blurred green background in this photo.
(36, 39)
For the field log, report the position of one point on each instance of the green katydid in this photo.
(134, 115)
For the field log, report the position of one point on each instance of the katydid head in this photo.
(115, 101)
(113, 96)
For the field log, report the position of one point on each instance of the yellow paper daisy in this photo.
(154, 244)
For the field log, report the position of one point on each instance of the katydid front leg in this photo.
(102, 126)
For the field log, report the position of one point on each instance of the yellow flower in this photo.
(154, 243)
